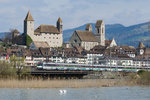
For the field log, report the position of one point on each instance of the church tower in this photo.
(140, 49)
(60, 25)
(29, 25)
(100, 32)
(88, 27)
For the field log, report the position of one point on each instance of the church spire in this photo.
(29, 17)
(59, 25)
(59, 20)
(141, 45)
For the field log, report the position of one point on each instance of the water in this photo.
(102, 93)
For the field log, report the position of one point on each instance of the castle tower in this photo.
(88, 27)
(100, 32)
(29, 25)
(59, 25)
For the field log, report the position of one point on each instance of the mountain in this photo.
(3, 34)
(123, 35)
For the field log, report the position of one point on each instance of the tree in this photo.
(18, 64)
(8, 36)
(6, 71)
(28, 40)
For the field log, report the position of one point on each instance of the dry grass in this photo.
(64, 83)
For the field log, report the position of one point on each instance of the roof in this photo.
(36, 53)
(99, 22)
(45, 51)
(46, 29)
(125, 47)
(59, 20)
(86, 36)
(27, 52)
(98, 49)
(108, 42)
(29, 17)
(79, 49)
(41, 44)
(141, 45)
(70, 52)
(147, 51)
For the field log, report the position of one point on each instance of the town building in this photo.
(143, 52)
(110, 43)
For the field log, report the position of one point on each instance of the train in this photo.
(86, 67)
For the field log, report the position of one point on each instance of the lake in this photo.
(101, 93)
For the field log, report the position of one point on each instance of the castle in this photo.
(47, 35)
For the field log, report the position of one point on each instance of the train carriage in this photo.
(84, 67)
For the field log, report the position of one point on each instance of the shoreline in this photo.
(77, 83)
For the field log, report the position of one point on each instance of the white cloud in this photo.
(73, 12)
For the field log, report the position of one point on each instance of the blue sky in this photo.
(73, 12)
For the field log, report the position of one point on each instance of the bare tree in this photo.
(8, 36)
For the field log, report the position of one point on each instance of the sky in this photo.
(74, 13)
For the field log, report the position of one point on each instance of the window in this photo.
(75, 40)
(98, 30)
(79, 44)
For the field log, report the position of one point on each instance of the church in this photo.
(48, 35)
(87, 39)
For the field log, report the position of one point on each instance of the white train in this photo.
(83, 67)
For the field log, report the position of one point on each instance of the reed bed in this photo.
(64, 83)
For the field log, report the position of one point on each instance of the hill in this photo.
(2, 34)
(123, 35)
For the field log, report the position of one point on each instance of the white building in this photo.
(141, 63)
(94, 58)
(119, 62)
